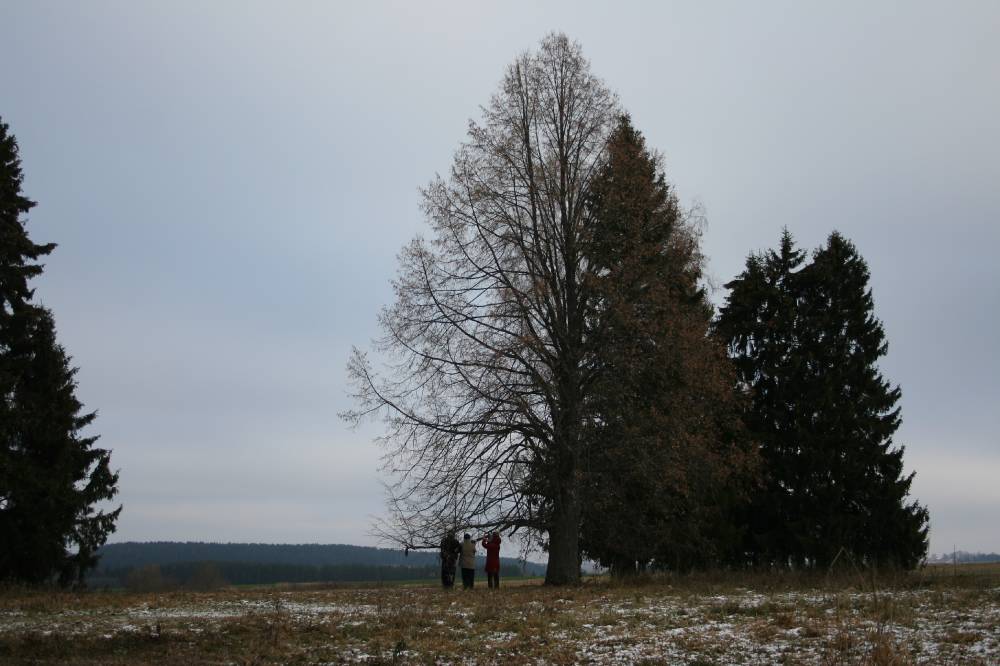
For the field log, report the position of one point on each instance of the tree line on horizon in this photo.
(161, 565)
(552, 364)
(133, 555)
(963, 557)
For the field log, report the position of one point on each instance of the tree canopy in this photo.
(554, 325)
(486, 344)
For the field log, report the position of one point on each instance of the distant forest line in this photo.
(164, 564)
(964, 557)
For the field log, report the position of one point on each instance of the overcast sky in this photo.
(229, 184)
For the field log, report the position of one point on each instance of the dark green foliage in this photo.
(662, 464)
(50, 475)
(806, 346)
(18, 255)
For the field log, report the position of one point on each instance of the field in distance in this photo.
(943, 614)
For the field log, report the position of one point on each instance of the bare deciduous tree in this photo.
(483, 369)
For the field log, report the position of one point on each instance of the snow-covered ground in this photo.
(592, 624)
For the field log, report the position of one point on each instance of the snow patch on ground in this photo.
(744, 627)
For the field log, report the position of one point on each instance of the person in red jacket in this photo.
(492, 545)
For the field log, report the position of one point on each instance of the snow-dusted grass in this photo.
(923, 618)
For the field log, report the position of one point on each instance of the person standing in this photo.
(491, 543)
(468, 562)
(450, 549)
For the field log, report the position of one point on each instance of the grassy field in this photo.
(941, 615)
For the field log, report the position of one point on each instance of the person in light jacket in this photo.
(468, 562)
(492, 545)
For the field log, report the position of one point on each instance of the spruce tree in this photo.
(806, 345)
(51, 475)
(759, 322)
(856, 415)
(662, 459)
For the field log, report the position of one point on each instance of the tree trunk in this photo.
(564, 530)
(564, 538)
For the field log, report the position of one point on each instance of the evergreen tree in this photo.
(806, 345)
(50, 475)
(663, 458)
(864, 494)
(759, 322)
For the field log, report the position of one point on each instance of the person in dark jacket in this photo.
(468, 562)
(492, 545)
(450, 549)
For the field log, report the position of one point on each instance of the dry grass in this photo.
(926, 617)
